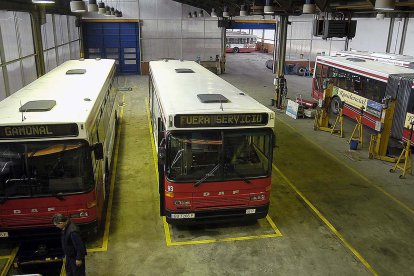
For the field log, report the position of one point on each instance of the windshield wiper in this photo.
(59, 196)
(243, 177)
(176, 158)
(210, 173)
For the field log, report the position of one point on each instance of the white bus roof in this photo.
(69, 92)
(178, 91)
(370, 68)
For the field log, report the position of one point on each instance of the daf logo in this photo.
(221, 193)
(17, 211)
(206, 194)
(35, 211)
(236, 192)
(50, 209)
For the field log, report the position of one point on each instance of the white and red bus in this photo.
(363, 81)
(239, 42)
(214, 144)
(56, 142)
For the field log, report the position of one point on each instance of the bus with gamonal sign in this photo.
(214, 145)
(56, 143)
(240, 42)
(362, 82)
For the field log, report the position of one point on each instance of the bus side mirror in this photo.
(162, 155)
(98, 151)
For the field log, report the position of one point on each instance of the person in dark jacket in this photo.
(72, 245)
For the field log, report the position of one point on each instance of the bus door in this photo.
(321, 72)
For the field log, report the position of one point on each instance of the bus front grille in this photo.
(23, 220)
(212, 202)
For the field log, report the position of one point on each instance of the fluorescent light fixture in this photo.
(92, 6)
(268, 8)
(243, 10)
(309, 7)
(226, 12)
(385, 5)
(43, 1)
(77, 6)
(101, 8)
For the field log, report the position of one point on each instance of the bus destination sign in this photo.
(220, 120)
(38, 131)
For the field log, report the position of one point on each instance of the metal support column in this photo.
(275, 47)
(280, 80)
(390, 31)
(223, 49)
(39, 18)
(403, 35)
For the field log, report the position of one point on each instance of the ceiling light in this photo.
(77, 6)
(380, 16)
(43, 1)
(226, 12)
(92, 6)
(101, 8)
(309, 7)
(268, 8)
(384, 4)
(243, 10)
(213, 13)
(107, 11)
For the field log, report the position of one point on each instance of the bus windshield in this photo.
(52, 168)
(219, 155)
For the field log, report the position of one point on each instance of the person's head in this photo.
(60, 221)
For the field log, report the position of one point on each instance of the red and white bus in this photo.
(239, 42)
(214, 144)
(363, 81)
(56, 142)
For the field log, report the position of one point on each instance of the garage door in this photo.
(115, 40)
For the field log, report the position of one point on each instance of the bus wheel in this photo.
(236, 50)
(336, 104)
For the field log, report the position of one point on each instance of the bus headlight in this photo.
(257, 197)
(182, 202)
(82, 214)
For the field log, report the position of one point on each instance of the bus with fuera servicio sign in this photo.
(240, 42)
(361, 81)
(56, 144)
(214, 145)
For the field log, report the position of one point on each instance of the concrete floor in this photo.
(333, 211)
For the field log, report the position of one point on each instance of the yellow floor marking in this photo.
(9, 263)
(63, 269)
(4, 257)
(167, 232)
(330, 226)
(105, 239)
(354, 171)
(241, 238)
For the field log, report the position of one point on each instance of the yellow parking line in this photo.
(105, 239)
(241, 238)
(9, 263)
(327, 223)
(354, 171)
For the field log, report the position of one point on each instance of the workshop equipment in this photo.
(356, 136)
(406, 156)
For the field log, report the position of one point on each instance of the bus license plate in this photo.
(250, 211)
(182, 216)
(4, 234)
